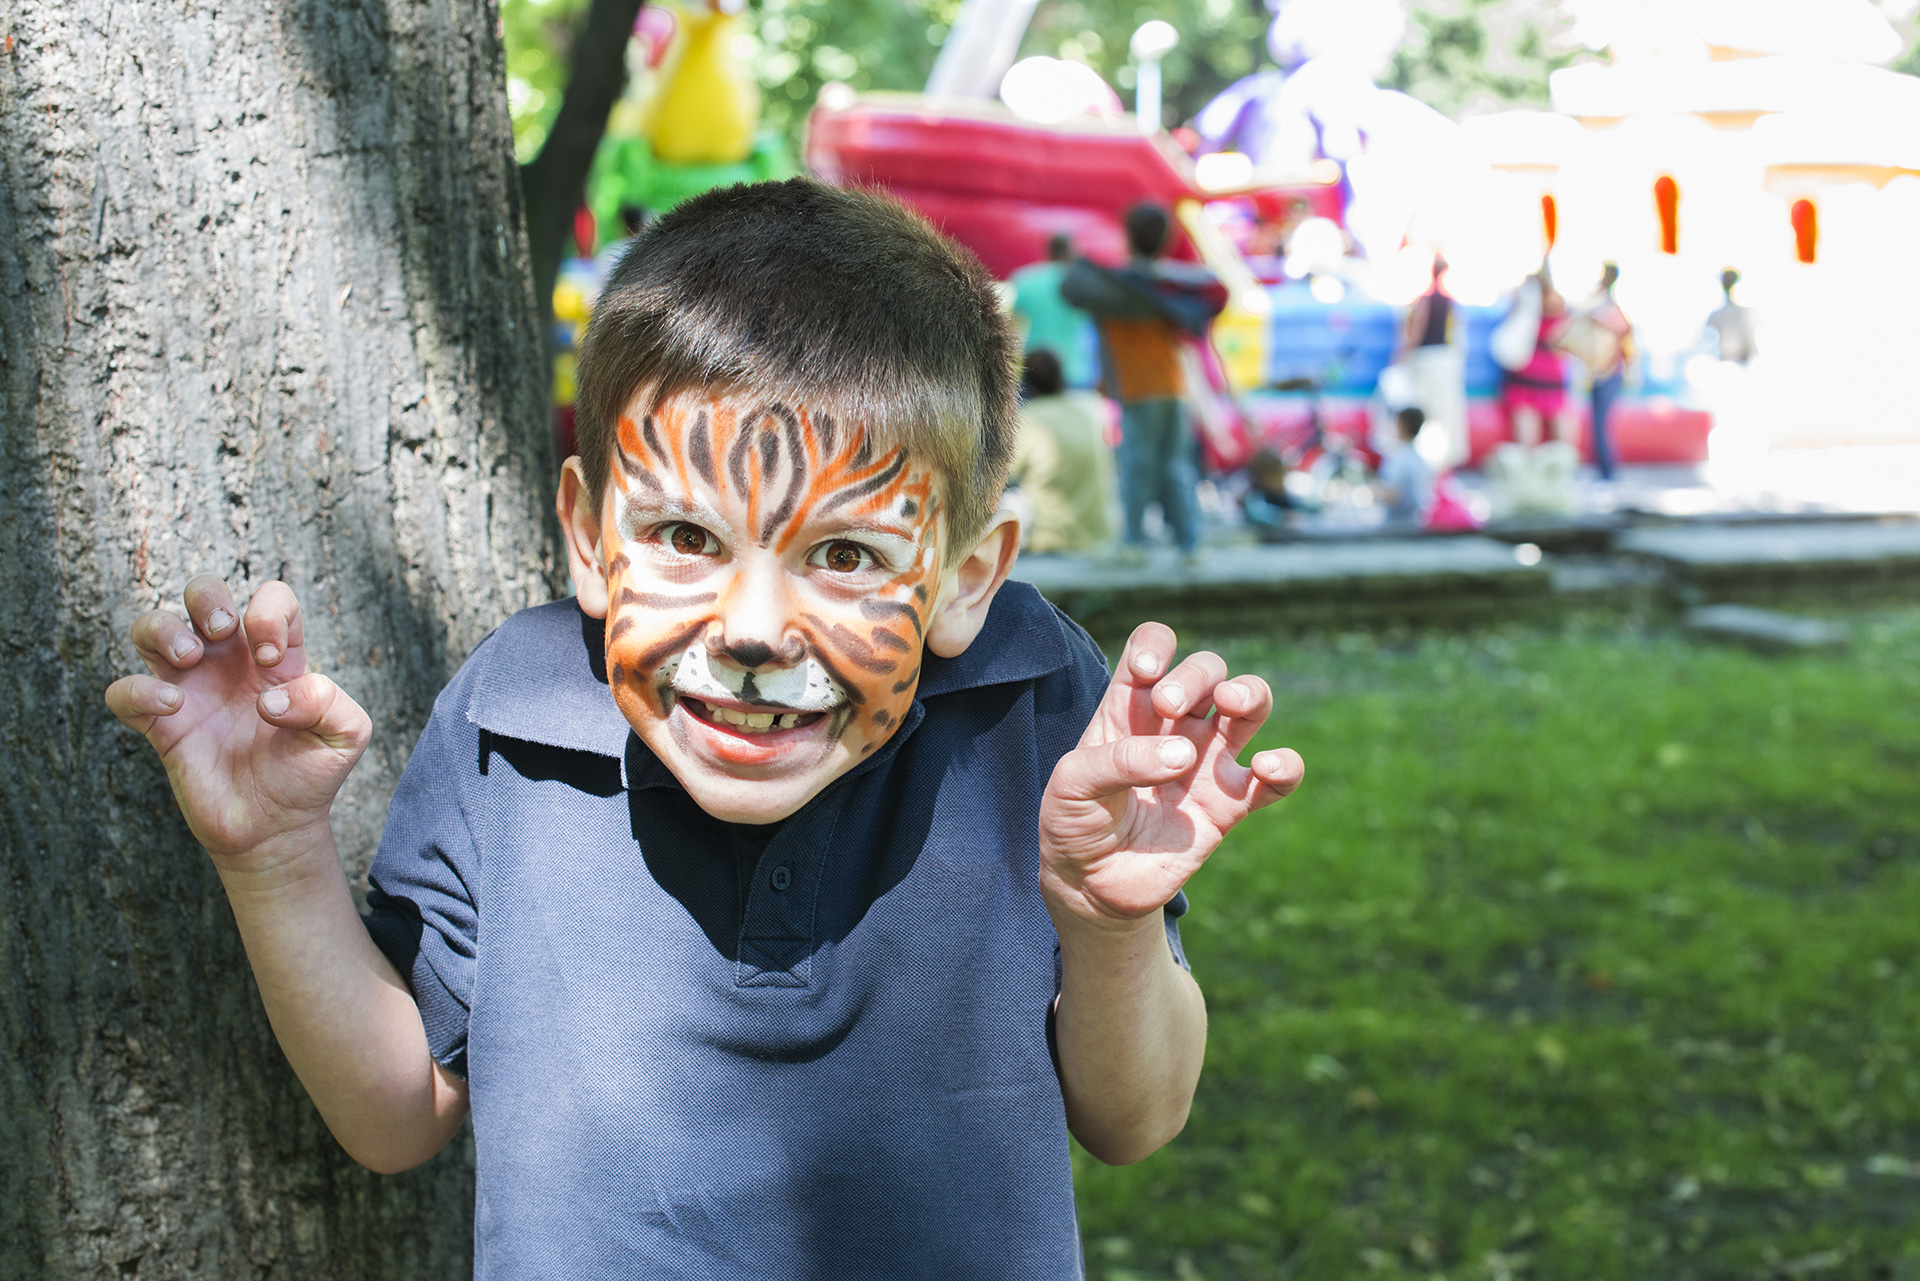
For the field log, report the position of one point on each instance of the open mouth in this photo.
(747, 720)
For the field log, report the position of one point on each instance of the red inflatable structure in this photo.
(1003, 186)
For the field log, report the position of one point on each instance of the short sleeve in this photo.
(1393, 471)
(1175, 910)
(424, 909)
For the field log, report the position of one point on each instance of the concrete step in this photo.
(1717, 559)
(1293, 584)
(1764, 628)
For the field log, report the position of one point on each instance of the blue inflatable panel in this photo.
(1343, 346)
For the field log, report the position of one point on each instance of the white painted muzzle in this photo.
(805, 687)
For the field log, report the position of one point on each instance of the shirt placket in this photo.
(783, 896)
(782, 901)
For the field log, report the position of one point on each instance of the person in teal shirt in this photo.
(1052, 322)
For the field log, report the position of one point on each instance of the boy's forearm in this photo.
(344, 1017)
(1131, 1027)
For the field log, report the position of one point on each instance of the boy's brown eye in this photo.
(845, 558)
(688, 540)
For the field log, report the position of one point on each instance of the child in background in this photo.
(1061, 461)
(1406, 480)
(779, 903)
(1266, 504)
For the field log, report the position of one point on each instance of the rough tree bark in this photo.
(265, 310)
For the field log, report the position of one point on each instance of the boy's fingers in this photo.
(165, 641)
(210, 606)
(315, 704)
(1280, 771)
(1246, 697)
(1245, 702)
(273, 623)
(1148, 653)
(1103, 769)
(139, 700)
(1188, 688)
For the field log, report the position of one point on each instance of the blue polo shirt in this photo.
(701, 1050)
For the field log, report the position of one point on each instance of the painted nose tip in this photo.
(750, 653)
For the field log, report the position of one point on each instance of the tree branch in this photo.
(554, 182)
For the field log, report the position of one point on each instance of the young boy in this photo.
(1406, 481)
(725, 894)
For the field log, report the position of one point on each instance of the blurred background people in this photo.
(1061, 462)
(1051, 321)
(1732, 324)
(1266, 503)
(1529, 475)
(1737, 447)
(1145, 315)
(1601, 337)
(1405, 480)
(1436, 375)
(1535, 394)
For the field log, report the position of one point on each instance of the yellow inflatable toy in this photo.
(705, 112)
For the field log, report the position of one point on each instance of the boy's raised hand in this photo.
(255, 745)
(1138, 806)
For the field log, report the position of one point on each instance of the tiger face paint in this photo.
(770, 575)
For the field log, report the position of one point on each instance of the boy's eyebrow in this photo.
(841, 523)
(655, 506)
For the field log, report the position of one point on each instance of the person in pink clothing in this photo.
(1535, 395)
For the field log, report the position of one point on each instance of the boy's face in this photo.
(770, 579)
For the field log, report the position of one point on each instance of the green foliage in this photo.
(1482, 55)
(1459, 55)
(1586, 953)
(891, 44)
(1220, 41)
(869, 44)
(538, 34)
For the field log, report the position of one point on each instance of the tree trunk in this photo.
(264, 311)
(554, 183)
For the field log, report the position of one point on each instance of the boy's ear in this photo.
(580, 525)
(960, 611)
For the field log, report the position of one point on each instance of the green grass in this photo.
(1582, 953)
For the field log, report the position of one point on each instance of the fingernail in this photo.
(1146, 664)
(1176, 753)
(274, 702)
(219, 620)
(1175, 694)
(182, 646)
(266, 655)
(170, 698)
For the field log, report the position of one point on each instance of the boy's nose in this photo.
(754, 651)
(755, 627)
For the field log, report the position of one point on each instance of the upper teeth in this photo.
(754, 720)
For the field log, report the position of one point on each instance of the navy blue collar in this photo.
(540, 677)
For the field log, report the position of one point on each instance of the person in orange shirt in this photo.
(1142, 317)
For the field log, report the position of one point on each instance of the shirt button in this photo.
(781, 878)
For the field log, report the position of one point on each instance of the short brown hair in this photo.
(836, 299)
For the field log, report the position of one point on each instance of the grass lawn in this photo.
(1583, 953)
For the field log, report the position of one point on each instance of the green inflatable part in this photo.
(625, 173)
